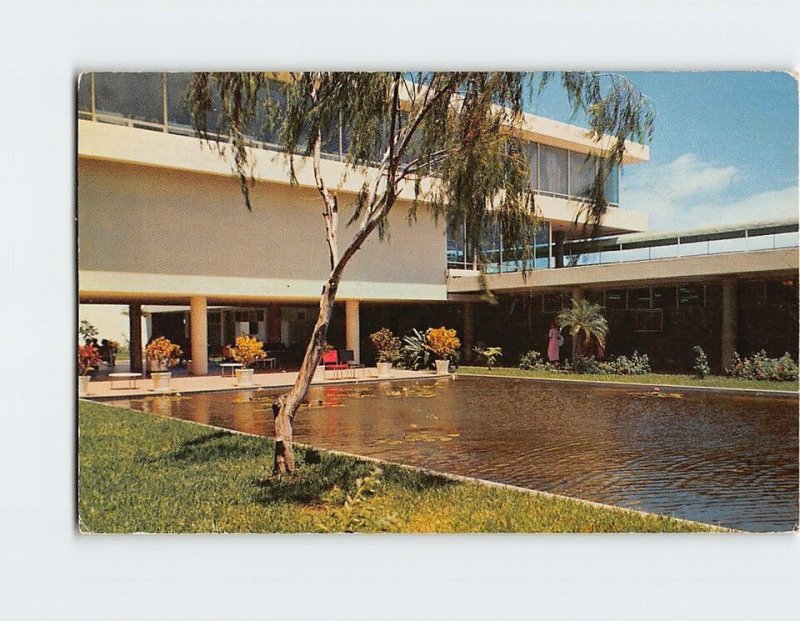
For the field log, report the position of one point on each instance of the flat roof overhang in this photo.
(781, 262)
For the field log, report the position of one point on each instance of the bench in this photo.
(229, 365)
(124, 377)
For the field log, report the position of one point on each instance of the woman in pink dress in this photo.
(553, 343)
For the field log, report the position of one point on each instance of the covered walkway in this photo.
(100, 386)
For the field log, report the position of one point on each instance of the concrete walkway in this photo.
(100, 388)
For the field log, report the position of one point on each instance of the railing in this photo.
(638, 247)
(770, 236)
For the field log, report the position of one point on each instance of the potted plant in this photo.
(248, 349)
(88, 360)
(162, 354)
(444, 344)
(387, 346)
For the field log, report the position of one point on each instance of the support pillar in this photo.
(135, 327)
(199, 334)
(352, 329)
(729, 335)
(558, 238)
(468, 342)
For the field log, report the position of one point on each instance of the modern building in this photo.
(163, 230)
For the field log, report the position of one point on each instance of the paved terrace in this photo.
(100, 387)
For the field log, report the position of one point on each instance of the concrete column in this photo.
(352, 329)
(468, 342)
(135, 325)
(558, 238)
(199, 335)
(729, 335)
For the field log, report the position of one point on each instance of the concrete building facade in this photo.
(162, 229)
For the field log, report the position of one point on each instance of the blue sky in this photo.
(724, 150)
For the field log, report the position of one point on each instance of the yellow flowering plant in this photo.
(162, 354)
(248, 349)
(443, 342)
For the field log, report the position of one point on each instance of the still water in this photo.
(723, 459)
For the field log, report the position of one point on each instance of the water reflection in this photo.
(709, 457)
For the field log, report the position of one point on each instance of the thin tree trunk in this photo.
(285, 406)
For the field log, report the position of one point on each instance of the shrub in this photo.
(88, 359)
(443, 342)
(416, 353)
(533, 360)
(248, 349)
(637, 364)
(762, 368)
(701, 368)
(489, 354)
(162, 353)
(387, 345)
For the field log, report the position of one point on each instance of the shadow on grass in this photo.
(214, 446)
(319, 474)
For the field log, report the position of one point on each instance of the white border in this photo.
(47, 571)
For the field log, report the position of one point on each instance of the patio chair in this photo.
(331, 361)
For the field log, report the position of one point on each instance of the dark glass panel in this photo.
(137, 96)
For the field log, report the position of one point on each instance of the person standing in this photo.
(554, 341)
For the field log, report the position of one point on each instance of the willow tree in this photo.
(450, 139)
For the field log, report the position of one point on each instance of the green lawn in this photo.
(662, 379)
(142, 473)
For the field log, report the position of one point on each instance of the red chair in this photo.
(331, 361)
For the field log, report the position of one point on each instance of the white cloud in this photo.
(689, 192)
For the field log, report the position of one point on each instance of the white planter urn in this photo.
(244, 377)
(442, 367)
(319, 374)
(384, 369)
(83, 385)
(161, 381)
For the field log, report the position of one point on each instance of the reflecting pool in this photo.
(716, 458)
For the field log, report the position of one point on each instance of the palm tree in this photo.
(584, 316)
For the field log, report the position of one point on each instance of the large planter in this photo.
(442, 367)
(244, 377)
(83, 385)
(161, 381)
(319, 374)
(384, 369)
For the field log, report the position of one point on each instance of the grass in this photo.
(662, 379)
(142, 473)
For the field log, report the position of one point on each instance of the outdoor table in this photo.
(229, 365)
(271, 362)
(127, 377)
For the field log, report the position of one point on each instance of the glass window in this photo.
(639, 298)
(137, 96)
(553, 164)
(490, 246)
(616, 299)
(455, 247)
(85, 92)
(534, 158)
(664, 297)
(690, 295)
(177, 111)
(612, 186)
(582, 173)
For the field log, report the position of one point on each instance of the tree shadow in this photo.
(314, 478)
(213, 446)
(319, 474)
